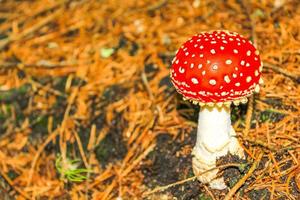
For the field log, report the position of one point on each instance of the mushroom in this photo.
(214, 69)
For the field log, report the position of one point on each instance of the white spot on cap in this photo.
(194, 80)
(199, 66)
(242, 62)
(185, 62)
(234, 75)
(239, 44)
(248, 79)
(260, 68)
(212, 51)
(241, 74)
(231, 39)
(186, 53)
(223, 93)
(201, 55)
(247, 65)
(222, 48)
(173, 60)
(235, 51)
(237, 84)
(193, 55)
(201, 47)
(192, 65)
(236, 68)
(208, 61)
(227, 79)
(203, 72)
(256, 73)
(228, 62)
(198, 40)
(185, 49)
(213, 42)
(177, 61)
(212, 82)
(215, 67)
(248, 53)
(195, 45)
(181, 70)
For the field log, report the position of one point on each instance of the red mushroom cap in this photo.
(217, 66)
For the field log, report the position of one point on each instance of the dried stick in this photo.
(243, 180)
(62, 142)
(26, 32)
(249, 115)
(138, 160)
(50, 138)
(157, 5)
(282, 71)
(209, 192)
(18, 190)
(251, 99)
(44, 9)
(81, 151)
(162, 188)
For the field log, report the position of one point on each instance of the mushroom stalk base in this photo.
(215, 138)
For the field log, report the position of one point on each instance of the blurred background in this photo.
(87, 110)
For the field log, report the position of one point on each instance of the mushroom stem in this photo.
(215, 138)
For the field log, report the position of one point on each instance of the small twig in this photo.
(254, 40)
(146, 84)
(50, 138)
(39, 12)
(13, 65)
(50, 90)
(282, 71)
(157, 5)
(138, 160)
(62, 142)
(150, 93)
(209, 192)
(243, 180)
(162, 188)
(265, 147)
(26, 32)
(249, 115)
(81, 150)
(18, 190)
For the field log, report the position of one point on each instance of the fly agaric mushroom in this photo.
(214, 69)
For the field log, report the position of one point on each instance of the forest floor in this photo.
(87, 109)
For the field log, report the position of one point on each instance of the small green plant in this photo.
(70, 171)
(106, 52)
(204, 197)
(242, 167)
